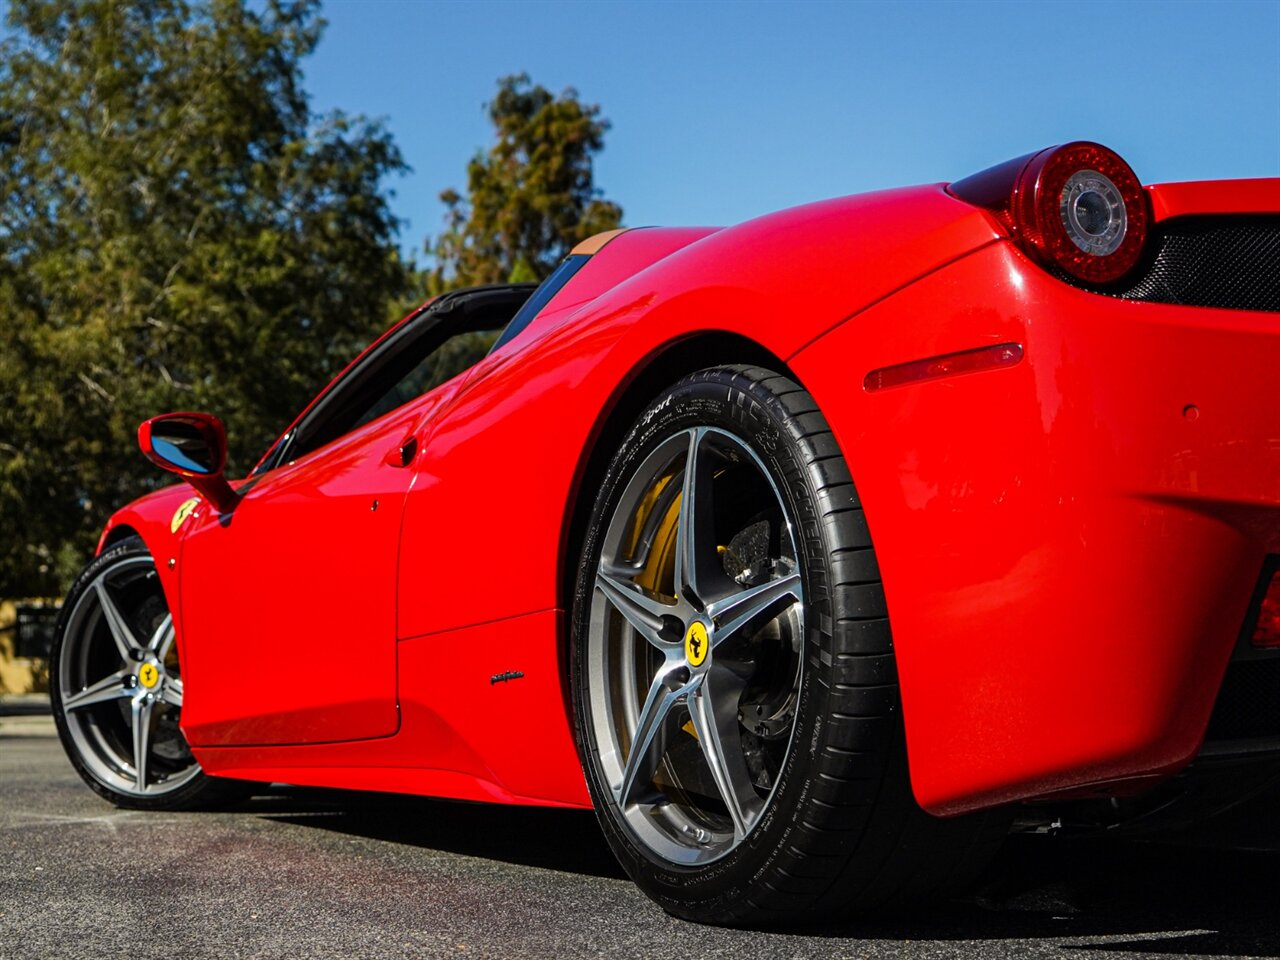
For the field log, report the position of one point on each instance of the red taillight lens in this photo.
(1078, 207)
(1266, 632)
(1082, 209)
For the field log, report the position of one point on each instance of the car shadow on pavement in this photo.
(1193, 897)
(1108, 896)
(553, 839)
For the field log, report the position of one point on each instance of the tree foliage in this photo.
(531, 197)
(177, 231)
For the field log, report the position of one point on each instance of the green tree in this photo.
(530, 197)
(177, 231)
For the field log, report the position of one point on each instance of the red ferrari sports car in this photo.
(814, 553)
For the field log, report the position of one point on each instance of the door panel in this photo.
(289, 603)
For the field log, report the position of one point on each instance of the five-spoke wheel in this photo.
(117, 686)
(694, 660)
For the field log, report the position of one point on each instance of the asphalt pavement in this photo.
(298, 873)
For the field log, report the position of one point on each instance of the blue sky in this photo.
(725, 110)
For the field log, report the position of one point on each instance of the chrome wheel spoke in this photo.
(695, 561)
(162, 638)
(109, 688)
(142, 708)
(648, 741)
(126, 643)
(754, 606)
(643, 612)
(171, 692)
(715, 720)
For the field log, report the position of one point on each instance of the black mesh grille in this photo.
(1220, 261)
(1249, 702)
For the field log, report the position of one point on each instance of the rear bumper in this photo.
(1069, 545)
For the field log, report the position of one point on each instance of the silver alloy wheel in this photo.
(696, 615)
(120, 685)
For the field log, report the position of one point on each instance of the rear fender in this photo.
(499, 477)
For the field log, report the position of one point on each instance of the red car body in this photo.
(1070, 541)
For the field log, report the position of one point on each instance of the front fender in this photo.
(161, 519)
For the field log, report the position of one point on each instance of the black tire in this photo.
(98, 734)
(840, 833)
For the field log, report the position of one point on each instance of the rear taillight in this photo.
(1266, 631)
(1077, 207)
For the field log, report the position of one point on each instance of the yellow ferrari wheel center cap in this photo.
(148, 675)
(696, 644)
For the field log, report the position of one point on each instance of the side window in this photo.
(549, 287)
(443, 340)
(456, 355)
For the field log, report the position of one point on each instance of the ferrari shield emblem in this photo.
(181, 514)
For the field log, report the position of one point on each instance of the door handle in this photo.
(402, 455)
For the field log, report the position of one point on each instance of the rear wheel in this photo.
(733, 674)
(117, 691)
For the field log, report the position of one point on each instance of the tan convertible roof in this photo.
(595, 243)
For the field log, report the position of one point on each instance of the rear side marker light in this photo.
(946, 365)
(1078, 207)
(1266, 632)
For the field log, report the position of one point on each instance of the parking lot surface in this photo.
(310, 873)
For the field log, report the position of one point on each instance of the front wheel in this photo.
(116, 689)
(735, 694)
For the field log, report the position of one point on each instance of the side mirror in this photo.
(194, 446)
